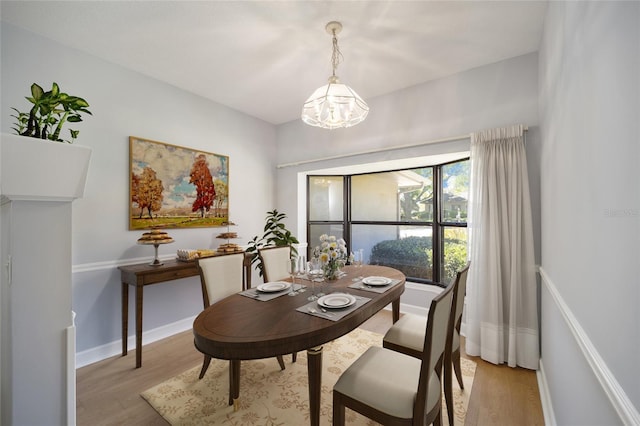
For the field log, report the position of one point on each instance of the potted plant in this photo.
(32, 168)
(275, 234)
(50, 111)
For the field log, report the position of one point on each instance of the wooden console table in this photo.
(139, 276)
(143, 274)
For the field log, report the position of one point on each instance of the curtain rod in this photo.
(374, 151)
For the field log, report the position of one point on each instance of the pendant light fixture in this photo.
(335, 104)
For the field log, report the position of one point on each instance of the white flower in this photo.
(332, 251)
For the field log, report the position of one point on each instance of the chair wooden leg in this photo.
(448, 391)
(205, 365)
(438, 419)
(338, 410)
(455, 359)
(294, 356)
(281, 362)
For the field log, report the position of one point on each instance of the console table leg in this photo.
(139, 289)
(314, 370)
(125, 317)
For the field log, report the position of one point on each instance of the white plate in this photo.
(336, 300)
(381, 281)
(273, 287)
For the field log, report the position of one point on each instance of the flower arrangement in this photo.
(332, 253)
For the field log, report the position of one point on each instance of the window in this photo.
(325, 214)
(412, 219)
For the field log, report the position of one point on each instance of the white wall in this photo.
(125, 103)
(589, 115)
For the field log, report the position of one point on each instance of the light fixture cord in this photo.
(336, 56)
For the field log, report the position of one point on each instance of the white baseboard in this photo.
(115, 348)
(545, 397)
(71, 374)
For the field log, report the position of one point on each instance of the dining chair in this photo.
(274, 262)
(274, 268)
(393, 388)
(407, 334)
(222, 276)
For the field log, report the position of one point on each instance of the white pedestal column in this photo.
(38, 182)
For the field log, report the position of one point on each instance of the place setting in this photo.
(333, 306)
(375, 284)
(271, 290)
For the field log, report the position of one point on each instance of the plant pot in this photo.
(35, 169)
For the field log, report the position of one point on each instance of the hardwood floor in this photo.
(108, 392)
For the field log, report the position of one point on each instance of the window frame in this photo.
(437, 225)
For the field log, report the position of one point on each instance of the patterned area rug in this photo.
(269, 396)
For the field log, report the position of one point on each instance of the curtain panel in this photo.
(502, 307)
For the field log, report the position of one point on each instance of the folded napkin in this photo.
(264, 297)
(312, 308)
(374, 288)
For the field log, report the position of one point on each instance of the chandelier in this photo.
(335, 104)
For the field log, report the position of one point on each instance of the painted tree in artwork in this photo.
(222, 192)
(135, 184)
(146, 190)
(205, 190)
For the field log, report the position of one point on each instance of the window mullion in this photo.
(437, 217)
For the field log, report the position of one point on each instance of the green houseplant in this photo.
(50, 111)
(275, 234)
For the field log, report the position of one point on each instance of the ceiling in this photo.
(265, 58)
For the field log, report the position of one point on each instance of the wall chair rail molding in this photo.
(114, 264)
(629, 415)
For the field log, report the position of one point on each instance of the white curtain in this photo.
(502, 313)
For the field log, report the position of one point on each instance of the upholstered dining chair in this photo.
(274, 262)
(274, 268)
(407, 334)
(222, 276)
(393, 388)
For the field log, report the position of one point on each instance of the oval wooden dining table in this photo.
(241, 328)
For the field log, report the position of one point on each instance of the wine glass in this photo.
(302, 271)
(292, 266)
(317, 274)
(357, 262)
(360, 263)
(313, 275)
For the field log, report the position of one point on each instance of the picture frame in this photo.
(172, 186)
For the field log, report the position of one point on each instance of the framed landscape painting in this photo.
(176, 187)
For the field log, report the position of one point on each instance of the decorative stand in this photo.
(155, 237)
(228, 247)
